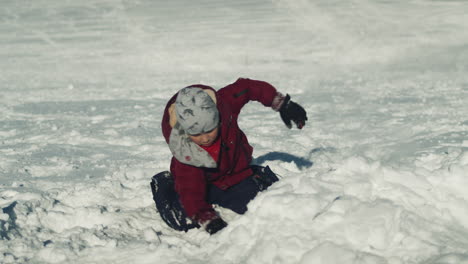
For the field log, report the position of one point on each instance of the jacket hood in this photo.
(180, 144)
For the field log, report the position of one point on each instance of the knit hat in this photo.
(196, 111)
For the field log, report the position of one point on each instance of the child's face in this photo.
(205, 139)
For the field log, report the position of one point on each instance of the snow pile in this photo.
(378, 175)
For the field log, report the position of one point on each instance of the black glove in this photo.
(292, 111)
(215, 225)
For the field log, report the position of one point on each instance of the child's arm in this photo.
(244, 90)
(190, 184)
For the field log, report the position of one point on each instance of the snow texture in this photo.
(379, 175)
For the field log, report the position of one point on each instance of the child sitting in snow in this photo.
(211, 161)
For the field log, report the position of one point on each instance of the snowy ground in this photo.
(379, 174)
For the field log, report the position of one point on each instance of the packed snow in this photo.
(379, 175)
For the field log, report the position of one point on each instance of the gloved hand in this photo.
(215, 225)
(292, 111)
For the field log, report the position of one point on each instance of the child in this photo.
(211, 161)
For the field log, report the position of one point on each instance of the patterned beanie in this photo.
(196, 111)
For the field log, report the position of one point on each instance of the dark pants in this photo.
(235, 198)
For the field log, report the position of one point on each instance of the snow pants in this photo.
(235, 198)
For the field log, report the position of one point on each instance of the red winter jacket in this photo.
(193, 168)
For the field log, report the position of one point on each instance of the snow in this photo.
(378, 175)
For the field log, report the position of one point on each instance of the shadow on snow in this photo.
(300, 162)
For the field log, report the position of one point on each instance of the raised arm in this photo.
(244, 90)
